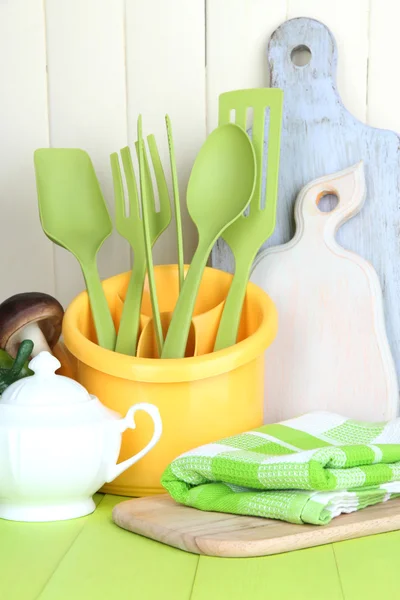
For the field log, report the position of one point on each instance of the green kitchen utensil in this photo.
(246, 235)
(220, 187)
(131, 228)
(74, 216)
(177, 206)
(144, 182)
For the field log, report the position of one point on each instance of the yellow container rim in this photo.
(155, 370)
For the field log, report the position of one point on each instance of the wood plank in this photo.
(237, 35)
(106, 562)
(227, 535)
(87, 104)
(31, 552)
(369, 567)
(383, 87)
(27, 256)
(171, 79)
(352, 41)
(303, 575)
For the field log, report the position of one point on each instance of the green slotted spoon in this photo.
(131, 228)
(220, 187)
(247, 234)
(74, 215)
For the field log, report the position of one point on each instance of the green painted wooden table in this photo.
(93, 559)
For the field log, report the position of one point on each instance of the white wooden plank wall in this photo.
(77, 73)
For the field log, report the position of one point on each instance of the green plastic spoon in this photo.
(74, 216)
(220, 187)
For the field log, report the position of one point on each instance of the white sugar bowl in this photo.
(59, 445)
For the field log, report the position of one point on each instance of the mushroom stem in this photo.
(33, 332)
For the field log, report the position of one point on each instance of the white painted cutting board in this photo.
(320, 137)
(331, 352)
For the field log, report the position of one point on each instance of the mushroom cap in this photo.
(23, 309)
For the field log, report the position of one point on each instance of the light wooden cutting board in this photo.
(320, 137)
(331, 351)
(217, 534)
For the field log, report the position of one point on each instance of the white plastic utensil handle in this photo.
(129, 423)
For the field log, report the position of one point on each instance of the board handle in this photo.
(307, 39)
(349, 188)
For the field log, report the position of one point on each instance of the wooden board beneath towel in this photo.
(218, 534)
(331, 351)
(320, 137)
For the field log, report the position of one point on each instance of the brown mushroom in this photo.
(30, 316)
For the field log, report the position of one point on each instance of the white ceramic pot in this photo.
(59, 445)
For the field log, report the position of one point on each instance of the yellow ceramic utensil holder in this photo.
(201, 399)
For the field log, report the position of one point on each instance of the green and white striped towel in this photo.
(304, 470)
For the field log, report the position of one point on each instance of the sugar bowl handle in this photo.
(129, 423)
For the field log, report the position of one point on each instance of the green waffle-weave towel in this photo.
(304, 470)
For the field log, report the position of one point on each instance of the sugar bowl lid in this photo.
(45, 388)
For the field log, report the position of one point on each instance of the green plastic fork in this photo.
(144, 187)
(247, 234)
(131, 228)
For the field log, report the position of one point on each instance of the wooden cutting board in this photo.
(217, 534)
(320, 137)
(331, 351)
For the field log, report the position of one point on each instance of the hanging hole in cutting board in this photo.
(301, 55)
(327, 202)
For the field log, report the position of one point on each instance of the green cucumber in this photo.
(11, 370)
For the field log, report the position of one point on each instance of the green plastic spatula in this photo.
(247, 234)
(220, 187)
(74, 215)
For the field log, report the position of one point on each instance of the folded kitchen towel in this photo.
(304, 470)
